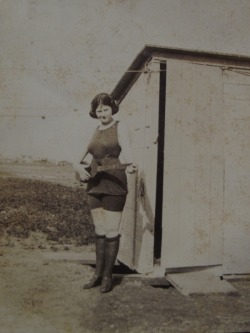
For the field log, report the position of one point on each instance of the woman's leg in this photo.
(111, 251)
(112, 225)
(106, 211)
(100, 261)
(106, 216)
(97, 216)
(107, 245)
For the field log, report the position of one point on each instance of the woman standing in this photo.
(107, 190)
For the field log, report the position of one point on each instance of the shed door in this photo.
(193, 166)
(140, 111)
(236, 257)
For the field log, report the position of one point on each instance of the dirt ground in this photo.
(38, 295)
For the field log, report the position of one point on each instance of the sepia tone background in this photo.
(56, 55)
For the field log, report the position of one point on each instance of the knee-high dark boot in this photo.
(111, 251)
(100, 260)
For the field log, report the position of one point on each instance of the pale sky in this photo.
(55, 55)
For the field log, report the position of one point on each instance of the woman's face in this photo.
(104, 114)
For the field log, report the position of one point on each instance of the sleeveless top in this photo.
(105, 149)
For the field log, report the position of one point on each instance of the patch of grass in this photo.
(58, 211)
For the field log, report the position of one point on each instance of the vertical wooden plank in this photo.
(151, 131)
(236, 249)
(202, 164)
(147, 178)
(187, 155)
(141, 114)
(127, 227)
(171, 199)
(217, 167)
(209, 166)
(193, 182)
(132, 113)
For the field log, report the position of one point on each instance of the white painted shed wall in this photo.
(140, 112)
(206, 191)
(236, 240)
(193, 166)
(207, 168)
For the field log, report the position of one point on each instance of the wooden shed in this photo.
(189, 117)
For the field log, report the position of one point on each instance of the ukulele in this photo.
(93, 168)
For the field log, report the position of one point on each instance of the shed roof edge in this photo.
(149, 51)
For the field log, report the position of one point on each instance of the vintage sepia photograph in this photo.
(124, 166)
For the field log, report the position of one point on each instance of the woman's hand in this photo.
(82, 172)
(132, 168)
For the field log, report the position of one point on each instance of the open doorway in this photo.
(160, 161)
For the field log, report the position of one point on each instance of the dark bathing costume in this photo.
(108, 189)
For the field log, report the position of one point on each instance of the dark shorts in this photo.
(114, 203)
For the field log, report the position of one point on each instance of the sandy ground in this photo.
(38, 295)
(44, 296)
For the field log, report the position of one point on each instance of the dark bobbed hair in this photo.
(103, 99)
